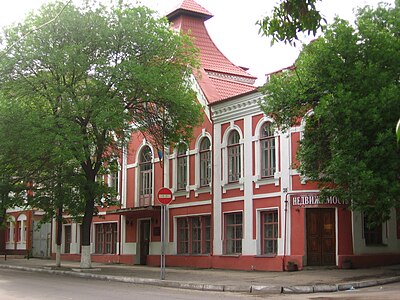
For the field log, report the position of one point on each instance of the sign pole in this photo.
(164, 196)
(162, 263)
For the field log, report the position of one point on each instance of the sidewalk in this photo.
(307, 281)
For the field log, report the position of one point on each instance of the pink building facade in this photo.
(238, 202)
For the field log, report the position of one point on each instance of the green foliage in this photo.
(291, 17)
(349, 80)
(83, 83)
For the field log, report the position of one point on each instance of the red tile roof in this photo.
(190, 6)
(227, 88)
(226, 78)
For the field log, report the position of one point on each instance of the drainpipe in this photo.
(285, 229)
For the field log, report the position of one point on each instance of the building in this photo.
(238, 203)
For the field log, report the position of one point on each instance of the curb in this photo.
(254, 289)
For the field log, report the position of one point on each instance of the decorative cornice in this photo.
(235, 108)
(241, 79)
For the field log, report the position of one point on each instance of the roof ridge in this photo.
(192, 7)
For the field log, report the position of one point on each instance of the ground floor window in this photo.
(106, 238)
(398, 222)
(194, 235)
(269, 223)
(67, 239)
(372, 234)
(10, 232)
(233, 233)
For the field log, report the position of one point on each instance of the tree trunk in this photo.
(86, 262)
(58, 256)
(59, 225)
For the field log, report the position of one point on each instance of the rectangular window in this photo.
(234, 163)
(146, 187)
(21, 231)
(233, 233)
(268, 157)
(269, 223)
(372, 234)
(205, 168)
(114, 183)
(183, 236)
(194, 235)
(398, 222)
(67, 239)
(182, 174)
(8, 232)
(106, 238)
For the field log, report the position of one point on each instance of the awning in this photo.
(132, 210)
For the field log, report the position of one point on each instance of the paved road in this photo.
(383, 292)
(18, 285)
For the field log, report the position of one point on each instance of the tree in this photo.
(349, 80)
(291, 17)
(35, 173)
(96, 74)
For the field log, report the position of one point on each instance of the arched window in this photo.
(181, 167)
(267, 144)
(205, 162)
(234, 160)
(145, 177)
(21, 231)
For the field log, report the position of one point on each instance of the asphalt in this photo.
(309, 280)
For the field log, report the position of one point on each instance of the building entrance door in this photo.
(321, 239)
(144, 241)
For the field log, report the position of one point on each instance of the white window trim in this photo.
(22, 219)
(226, 185)
(11, 230)
(137, 174)
(175, 191)
(109, 177)
(258, 179)
(198, 188)
(223, 233)
(259, 212)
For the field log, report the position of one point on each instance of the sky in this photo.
(232, 28)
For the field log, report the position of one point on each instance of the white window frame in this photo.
(175, 190)
(226, 185)
(110, 181)
(198, 188)
(258, 178)
(182, 163)
(11, 228)
(139, 175)
(22, 219)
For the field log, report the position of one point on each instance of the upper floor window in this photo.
(234, 159)
(181, 167)
(205, 162)
(114, 183)
(145, 177)
(267, 144)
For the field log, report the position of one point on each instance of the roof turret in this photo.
(224, 78)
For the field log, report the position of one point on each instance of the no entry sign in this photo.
(164, 195)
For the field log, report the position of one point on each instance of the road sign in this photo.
(164, 195)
